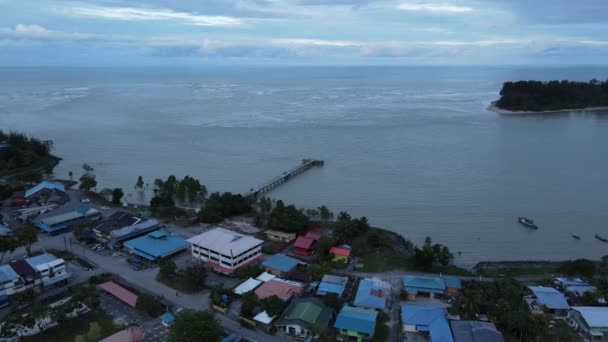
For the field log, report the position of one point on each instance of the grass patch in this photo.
(379, 262)
(77, 326)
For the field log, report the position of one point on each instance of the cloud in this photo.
(314, 42)
(36, 32)
(558, 12)
(594, 42)
(144, 14)
(435, 8)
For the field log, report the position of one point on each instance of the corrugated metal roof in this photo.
(246, 286)
(131, 334)
(265, 277)
(580, 290)
(133, 229)
(330, 278)
(281, 262)
(595, 316)
(571, 282)
(308, 312)
(277, 287)
(325, 288)
(43, 260)
(415, 284)
(225, 241)
(44, 185)
(372, 293)
(549, 297)
(7, 274)
(263, 318)
(428, 318)
(120, 292)
(357, 319)
(475, 331)
(339, 251)
(158, 247)
(453, 282)
(167, 318)
(304, 242)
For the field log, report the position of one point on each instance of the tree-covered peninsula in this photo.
(537, 96)
(24, 156)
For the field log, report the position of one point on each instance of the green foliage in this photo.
(249, 302)
(287, 219)
(325, 213)
(150, 305)
(140, 182)
(578, 267)
(80, 231)
(80, 338)
(8, 244)
(324, 244)
(162, 205)
(319, 269)
(94, 332)
(87, 182)
(272, 305)
(501, 301)
(265, 204)
(117, 194)
(346, 228)
(194, 278)
(22, 151)
(219, 206)
(26, 236)
(187, 190)
(553, 95)
(248, 271)
(195, 326)
(430, 255)
(216, 295)
(7, 190)
(24, 297)
(332, 300)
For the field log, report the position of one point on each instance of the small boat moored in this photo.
(576, 236)
(527, 222)
(601, 238)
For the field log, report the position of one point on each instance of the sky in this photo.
(283, 32)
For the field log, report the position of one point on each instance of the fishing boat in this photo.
(527, 222)
(601, 238)
(576, 236)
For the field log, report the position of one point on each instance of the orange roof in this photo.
(120, 292)
(303, 242)
(277, 288)
(339, 251)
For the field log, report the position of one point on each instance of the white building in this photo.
(225, 250)
(10, 283)
(51, 269)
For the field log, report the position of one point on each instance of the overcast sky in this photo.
(404, 32)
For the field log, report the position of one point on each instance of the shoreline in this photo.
(495, 109)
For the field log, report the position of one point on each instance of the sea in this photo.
(414, 149)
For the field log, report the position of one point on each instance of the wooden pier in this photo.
(286, 176)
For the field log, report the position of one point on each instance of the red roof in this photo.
(304, 243)
(340, 251)
(131, 334)
(277, 288)
(313, 235)
(120, 292)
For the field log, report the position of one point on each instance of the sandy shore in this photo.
(495, 109)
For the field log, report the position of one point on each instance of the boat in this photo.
(576, 236)
(601, 238)
(527, 222)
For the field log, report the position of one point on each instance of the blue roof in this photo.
(428, 318)
(453, 282)
(549, 297)
(144, 225)
(357, 319)
(152, 248)
(44, 185)
(7, 273)
(40, 259)
(281, 262)
(167, 318)
(325, 288)
(50, 229)
(158, 234)
(370, 296)
(415, 284)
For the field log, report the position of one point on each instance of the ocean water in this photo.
(412, 148)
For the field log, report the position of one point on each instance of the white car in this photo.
(115, 254)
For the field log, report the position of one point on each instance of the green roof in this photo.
(307, 312)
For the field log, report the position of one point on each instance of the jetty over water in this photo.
(286, 176)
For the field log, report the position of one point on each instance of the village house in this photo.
(283, 289)
(546, 300)
(373, 294)
(276, 235)
(590, 321)
(426, 286)
(304, 245)
(156, 245)
(475, 331)
(280, 265)
(356, 324)
(332, 284)
(303, 317)
(427, 321)
(64, 217)
(340, 253)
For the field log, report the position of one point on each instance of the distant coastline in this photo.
(496, 109)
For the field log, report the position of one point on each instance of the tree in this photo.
(272, 305)
(194, 278)
(332, 300)
(26, 236)
(287, 218)
(117, 195)
(578, 267)
(265, 204)
(87, 182)
(195, 326)
(140, 182)
(249, 302)
(325, 213)
(24, 297)
(150, 305)
(8, 244)
(106, 193)
(167, 268)
(80, 231)
(162, 205)
(87, 168)
(312, 213)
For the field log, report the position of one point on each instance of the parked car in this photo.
(115, 254)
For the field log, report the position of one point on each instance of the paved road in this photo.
(145, 279)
